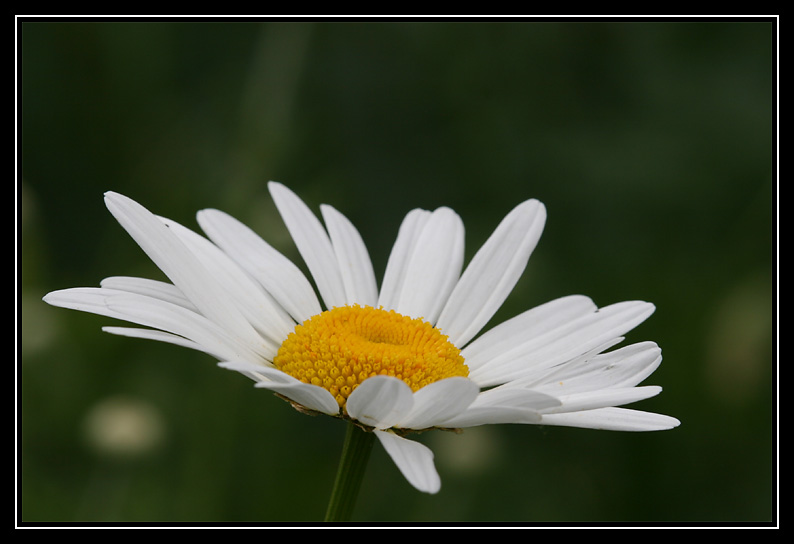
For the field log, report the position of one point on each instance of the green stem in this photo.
(355, 454)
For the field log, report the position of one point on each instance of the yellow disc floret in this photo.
(340, 348)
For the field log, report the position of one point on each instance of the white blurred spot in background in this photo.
(739, 357)
(473, 451)
(124, 426)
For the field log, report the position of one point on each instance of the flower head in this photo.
(406, 357)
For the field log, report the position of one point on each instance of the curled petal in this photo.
(414, 460)
(380, 402)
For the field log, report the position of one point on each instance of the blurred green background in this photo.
(651, 144)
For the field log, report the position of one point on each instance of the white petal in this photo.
(160, 336)
(492, 273)
(355, 265)
(491, 415)
(175, 319)
(151, 288)
(254, 371)
(258, 307)
(624, 367)
(307, 395)
(181, 266)
(155, 313)
(538, 378)
(604, 398)
(440, 401)
(313, 244)
(275, 272)
(380, 402)
(524, 327)
(433, 268)
(562, 344)
(414, 460)
(541, 378)
(613, 419)
(396, 268)
(517, 397)
(503, 405)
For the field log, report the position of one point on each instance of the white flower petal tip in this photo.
(414, 460)
(337, 259)
(355, 266)
(313, 244)
(492, 273)
(425, 264)
(613, 419)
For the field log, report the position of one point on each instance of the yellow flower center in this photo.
(340, 348)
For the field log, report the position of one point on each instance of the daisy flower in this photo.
(392, 361)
